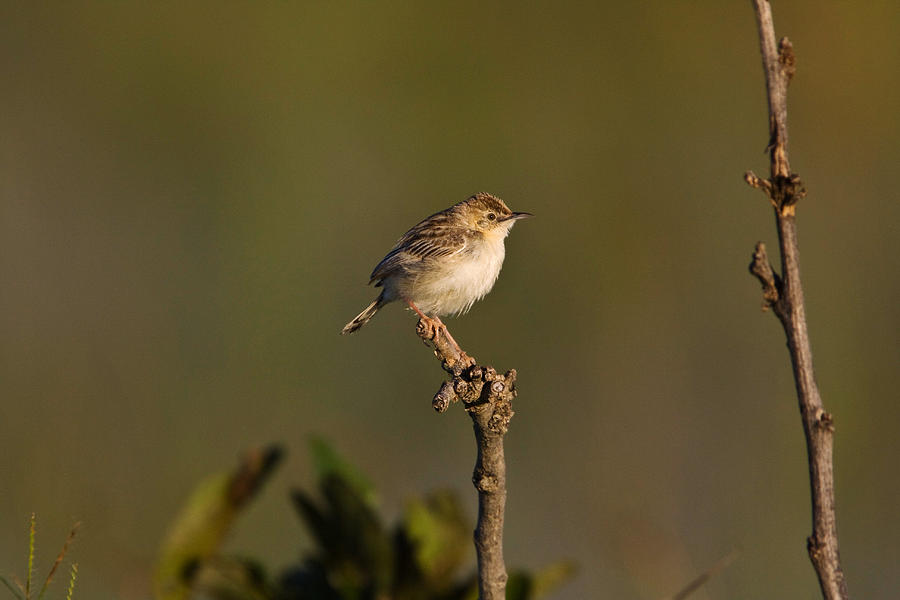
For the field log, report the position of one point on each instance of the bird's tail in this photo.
(364, 317)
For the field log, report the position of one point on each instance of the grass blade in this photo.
(30, 558)
(12, 589)
(59, 558)
(72, 579)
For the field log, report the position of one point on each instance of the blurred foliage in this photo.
(188, 557)
(356, 555)
(24, 590)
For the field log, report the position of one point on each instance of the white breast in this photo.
(464, 280)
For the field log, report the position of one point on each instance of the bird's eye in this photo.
(492, 217)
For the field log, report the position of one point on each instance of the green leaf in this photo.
(328, 463)
(524, 585)
(205, 519)
(363, 543)
(552, 577)
(440, 535)
(518, 586)
(353, 547)
(225, 578)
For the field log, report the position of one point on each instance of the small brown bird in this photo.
(445, 263)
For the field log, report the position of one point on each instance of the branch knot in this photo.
(468, 383)
(786, 58)
(782, 191)
(825, 421)
(761, 268)
(484, 482)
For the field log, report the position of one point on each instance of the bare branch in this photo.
(778, 64)
(487, 397)
(785, 296)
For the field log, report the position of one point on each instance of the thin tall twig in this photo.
(487, 397)
(784, 295)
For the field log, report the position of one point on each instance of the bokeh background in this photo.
(192, 196)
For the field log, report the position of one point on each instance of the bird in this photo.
(447, 262)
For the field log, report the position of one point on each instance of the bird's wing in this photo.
(423, 242)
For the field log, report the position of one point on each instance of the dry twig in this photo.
(784, 295)
(701, 579)
(487, 397)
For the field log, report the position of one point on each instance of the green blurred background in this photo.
(192, 196)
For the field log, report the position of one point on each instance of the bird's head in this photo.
(489, 214)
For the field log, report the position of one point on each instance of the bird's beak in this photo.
(519, 215)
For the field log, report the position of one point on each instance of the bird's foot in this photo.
(441, 328)
(433, 326)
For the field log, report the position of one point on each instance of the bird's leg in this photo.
(446, 332)
(434, 325)
(413, 306)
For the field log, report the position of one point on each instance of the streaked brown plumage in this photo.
(445, 263)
